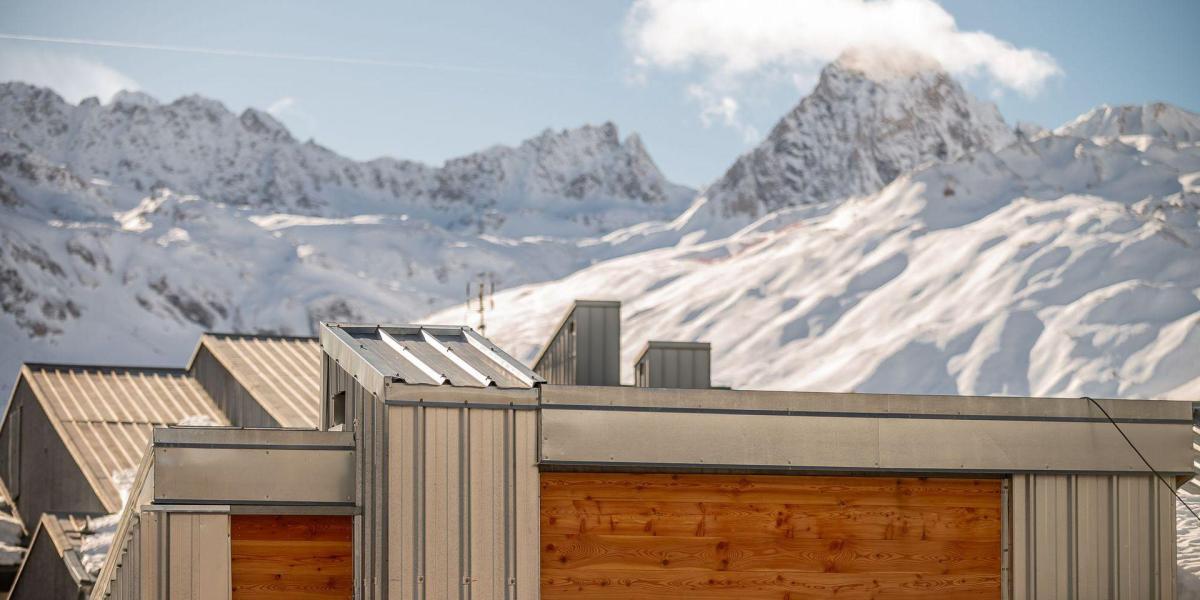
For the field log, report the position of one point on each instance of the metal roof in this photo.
(282, 373)
(105, 415)
(66, 532)
(434, 355)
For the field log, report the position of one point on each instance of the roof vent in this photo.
(683, 365)
(586, 347)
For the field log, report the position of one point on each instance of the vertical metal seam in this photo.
(385, 521)
(419, 497)
(1072, 538)
(510, 560)
(164, 559)
(1005, 539)
(1031, 539)
(1155, 551)
(1114, 579)
(464, 502)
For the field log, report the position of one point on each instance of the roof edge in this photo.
(567, 315)
(669, 345)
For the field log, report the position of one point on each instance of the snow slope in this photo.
(1057, 267)
(136, 225)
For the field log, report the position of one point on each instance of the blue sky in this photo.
(453, 77)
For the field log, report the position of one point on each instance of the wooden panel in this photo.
(618, 535)
(300, 557)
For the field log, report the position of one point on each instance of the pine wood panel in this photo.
(301, 557)
(615, 535)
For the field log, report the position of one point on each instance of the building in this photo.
(54, 566)
(72, 436)
(444, 468)
(260, 380)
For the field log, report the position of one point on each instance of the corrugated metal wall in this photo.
(182, 556)
(44, 573)
(230, 396)
(586, 349)
(674, 366)
(462, 503)
(363, 415)
(38, 469)
(1092, 537)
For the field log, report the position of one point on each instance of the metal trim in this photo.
(462, 404)
(865, 415)
(550, 465)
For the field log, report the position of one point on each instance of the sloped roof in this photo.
(434, 355)
(282, 373)
(66, 532)
(105, 415)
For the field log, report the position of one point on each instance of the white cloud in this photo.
(73, 77)
(721, 109)
(287, 109)
(281, 105)
(728, 42)
(738, 37)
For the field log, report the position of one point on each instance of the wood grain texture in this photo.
(616, 535)
(301, 557)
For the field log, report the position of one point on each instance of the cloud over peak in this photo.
(72, 77)
(730, 46)
(729, 39)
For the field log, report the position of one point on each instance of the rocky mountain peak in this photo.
(1156, 119)
(262, 123)
(133, 98)
(869, 119)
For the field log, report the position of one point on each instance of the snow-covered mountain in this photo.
(572, 183)
(134, 225)
(867, 122)
(1157, 120)
(1055, 267)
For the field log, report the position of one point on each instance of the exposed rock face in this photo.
(861, 127)
(1158, 120)
(575, 182)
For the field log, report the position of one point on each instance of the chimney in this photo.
(586, 347)
(683, 365)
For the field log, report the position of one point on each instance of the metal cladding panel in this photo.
(462, 503)
(854, 442)
(253, 475)
(598, 360)
(44, 474)
(680, 365)
(1031, 445)
(198, 556)
(900, 405)
(585, 349)
(280, 375)
(620, 437)
(227, 392)
(44, 574)
(151, 535)
(1092, 537)
(105, 414)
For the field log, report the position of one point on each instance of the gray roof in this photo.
(104, 415)
(434, 355)
(282, 373)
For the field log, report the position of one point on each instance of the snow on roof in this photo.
(434, 355)
(105, 415)
(282, 373)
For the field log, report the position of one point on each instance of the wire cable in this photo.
(1141, 456)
